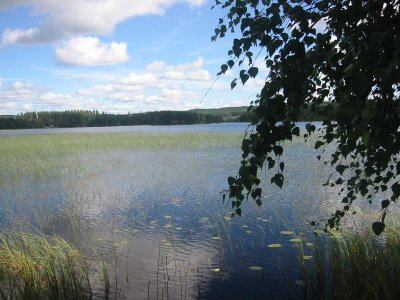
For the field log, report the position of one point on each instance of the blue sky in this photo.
(115, 56)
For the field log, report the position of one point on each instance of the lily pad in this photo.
(274, 245)
(216, 270)
(166, 243)
(295, 240)
(287, 232)
(255, 268)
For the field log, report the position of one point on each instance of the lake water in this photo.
(157, 217)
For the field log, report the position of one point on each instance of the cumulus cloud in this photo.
(142, 90)
(64, 19)
(202, 75)
(188, 71)
(90, 51)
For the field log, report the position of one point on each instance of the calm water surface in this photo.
(158, 219)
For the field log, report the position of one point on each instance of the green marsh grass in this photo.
(37, 266)
(40, 156)
(354, 265)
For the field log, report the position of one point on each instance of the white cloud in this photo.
(174, 75)
(142, 90)
(89, 51)
(156, 65)
(147, 79)
(64, 19)
(96, 89)
(201, 75)
(126, 97)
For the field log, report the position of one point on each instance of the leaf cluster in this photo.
(344, 53)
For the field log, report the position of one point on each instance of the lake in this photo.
(147, 199)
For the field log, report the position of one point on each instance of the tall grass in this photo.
(37, 266)
(354, 265)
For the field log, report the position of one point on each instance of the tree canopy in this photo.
(343, 52)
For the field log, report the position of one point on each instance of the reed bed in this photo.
(40, 156)
(37, 266)
(354, 265)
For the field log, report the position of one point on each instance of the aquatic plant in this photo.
(38, 266)
(354, 265)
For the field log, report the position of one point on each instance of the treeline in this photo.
(82, 118)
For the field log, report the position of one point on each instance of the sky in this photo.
(116, 56)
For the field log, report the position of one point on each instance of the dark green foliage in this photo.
(78, 118)
(335, 59)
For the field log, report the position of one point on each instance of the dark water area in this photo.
(158, 219)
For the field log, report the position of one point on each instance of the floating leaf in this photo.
(300, 282)
(265, 220)
(166, 243)
(255, 268)
(217, 270)
(248, 231)
(216, 238)
(245, 226)
(309, 244)
(205, 219)
(153, 222)
(274, 245)
(168, 226)
(307, 257)
(318, 231)
(287, 232)
(228, 218)
(167, 217)
(178, 228)
(295, 240)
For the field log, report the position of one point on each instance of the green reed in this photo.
(47, 155)
(38, 266)
(354, 265)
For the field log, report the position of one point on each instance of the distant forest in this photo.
(85, 118)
